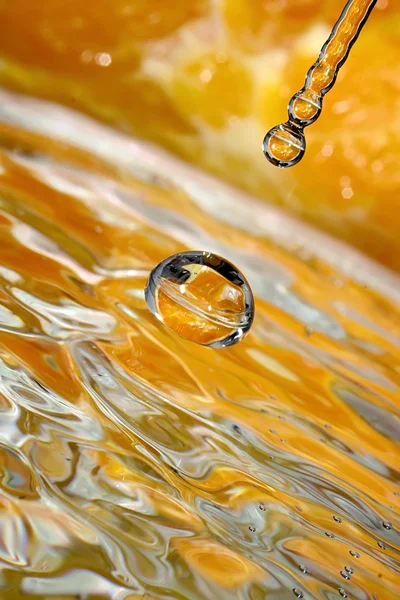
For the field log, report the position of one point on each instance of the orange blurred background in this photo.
(206, 79)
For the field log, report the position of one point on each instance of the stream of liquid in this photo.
(285, 144)
(136, 464)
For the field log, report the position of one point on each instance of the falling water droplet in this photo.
(337, 519)
(284, 145)
(202, 297)
(387, 525)
(303, 568)
(349, 570)
(342, 592)
(354, 554)
(298, 593)
(345, 575)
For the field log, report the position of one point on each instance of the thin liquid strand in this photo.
(285, 144)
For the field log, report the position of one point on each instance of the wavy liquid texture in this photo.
(208, 78)
(285, 144)
(134, 464)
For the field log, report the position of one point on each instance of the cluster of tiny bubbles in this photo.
(201, 297)
(285, 144)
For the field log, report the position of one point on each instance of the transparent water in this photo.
(136, 464)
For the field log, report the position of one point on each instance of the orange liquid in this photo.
(135, 464)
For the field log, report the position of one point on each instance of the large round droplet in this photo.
(284, 145)
(202, 297)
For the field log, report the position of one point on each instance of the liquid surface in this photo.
(306, 105)
(135, 464)
(202, 297)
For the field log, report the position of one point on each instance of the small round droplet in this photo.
(202, 297)
(305, 107)
(382, 546)
(329, 535)
(387, 525)
(284, 145)
(342, 592)
(262, 507)
(298, 593)
(349, 570)
(345, 575)
(303, 568)
(252, 528)
(337, 519)
(354, 554)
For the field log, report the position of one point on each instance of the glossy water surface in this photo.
(135, 464)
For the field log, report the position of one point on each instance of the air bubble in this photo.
(337, 519)
(252, 528)
(329, 535)
(354, 554)
(298, 593)
(382, 546)
(387, 525)
(262, 507)
(201, 297)
(342, 592)
(345, 575)
(284, 145)
(303, 568)
(349, 570)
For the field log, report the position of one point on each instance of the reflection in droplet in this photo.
(284, 145)
(349, 570)
(202, 297)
